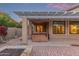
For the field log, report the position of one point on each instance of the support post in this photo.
(24, 31)
(50, 29)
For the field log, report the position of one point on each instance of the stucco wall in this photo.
(65, 36)
(76, 10)
(13, 33)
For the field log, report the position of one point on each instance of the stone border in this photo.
(27, 51)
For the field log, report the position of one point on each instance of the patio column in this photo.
(50, 29)
(68, 28)
(30, 29)
(24, 31)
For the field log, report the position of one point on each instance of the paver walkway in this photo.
(11, 42)
(50, 48)
(55, 51)
(49, 43)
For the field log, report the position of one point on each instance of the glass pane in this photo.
(39, 27)
(58, 27)
(74, 27)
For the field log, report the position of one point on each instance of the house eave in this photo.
(47, 14)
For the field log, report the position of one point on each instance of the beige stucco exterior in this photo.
(75, 10)
(27, 28)
(66, 36)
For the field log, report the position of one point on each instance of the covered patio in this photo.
(60, 26)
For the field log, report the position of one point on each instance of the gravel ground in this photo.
(55, 51)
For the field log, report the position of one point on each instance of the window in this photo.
(74, 27)
(39, 27)
(59, 27)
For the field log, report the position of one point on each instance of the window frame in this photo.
(64, 27)
(34, 27)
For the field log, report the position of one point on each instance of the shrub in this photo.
(3, 30)
(19, 25)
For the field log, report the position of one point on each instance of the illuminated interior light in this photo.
(73, 29)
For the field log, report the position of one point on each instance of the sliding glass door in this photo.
(58, 27)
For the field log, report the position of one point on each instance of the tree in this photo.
(6, 20)
(19, 25)
(11, 24)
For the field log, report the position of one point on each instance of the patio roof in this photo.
(41, 14)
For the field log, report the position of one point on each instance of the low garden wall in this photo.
(13, 33)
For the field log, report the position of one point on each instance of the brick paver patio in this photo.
(55, 51)
(50, 48)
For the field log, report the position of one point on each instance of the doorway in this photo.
(40, 31)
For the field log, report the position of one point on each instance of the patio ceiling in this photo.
(39, 14)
